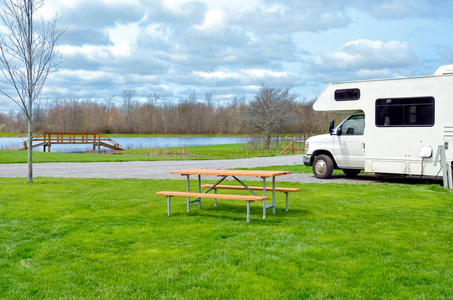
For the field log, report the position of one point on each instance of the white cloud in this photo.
(88, 51)
(214, 21)
(175, 6)
(364, 59)
(123, 38)
(246, 76)
(371, 55)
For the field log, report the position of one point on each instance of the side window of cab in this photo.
(355, 125)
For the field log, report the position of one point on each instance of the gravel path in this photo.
(161, 169)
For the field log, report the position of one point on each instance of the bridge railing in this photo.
(97, 139)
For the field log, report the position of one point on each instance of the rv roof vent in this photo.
(443, 70)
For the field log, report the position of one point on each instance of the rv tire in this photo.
(351, 172)
(323, 167)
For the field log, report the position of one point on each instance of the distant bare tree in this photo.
(209, 110)
(129, 105)
(270, 111)
(28, 55)
(152, 99)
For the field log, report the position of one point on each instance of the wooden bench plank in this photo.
(213, 196)
(247, 198)
(253, 188)
(216, 172)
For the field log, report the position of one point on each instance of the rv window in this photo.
(405, 112)
(347, 95)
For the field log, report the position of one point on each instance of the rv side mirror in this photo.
(331, 127)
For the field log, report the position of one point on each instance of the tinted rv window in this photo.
(405, 112)
(347, 95)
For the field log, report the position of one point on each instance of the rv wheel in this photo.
(351, 172)
(323, 167)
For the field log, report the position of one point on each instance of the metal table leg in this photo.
(248, 211)
(188, 190)
(199, 190)
(264, 195)
(273, 195)
(286, 201)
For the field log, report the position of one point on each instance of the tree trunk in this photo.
(267, 142)
(30, 78)
(30, 150)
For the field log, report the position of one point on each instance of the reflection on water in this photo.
(129, 143)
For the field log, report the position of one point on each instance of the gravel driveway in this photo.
(161, 169)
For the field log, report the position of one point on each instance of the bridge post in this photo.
(49, 137)
(99, 143)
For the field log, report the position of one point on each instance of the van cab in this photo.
(343, 148)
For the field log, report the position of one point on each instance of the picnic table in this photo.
(235, 174)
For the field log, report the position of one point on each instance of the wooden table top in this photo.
(216, 172)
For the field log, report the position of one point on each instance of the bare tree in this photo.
(152, 99)
(129, 106)
(272, 110)
(28, 56)
(209, 107)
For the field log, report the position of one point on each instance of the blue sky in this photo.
(232, 47)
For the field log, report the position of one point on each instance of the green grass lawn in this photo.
(96, 238)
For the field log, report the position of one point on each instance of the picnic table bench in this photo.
(234, 174)
(254, 188)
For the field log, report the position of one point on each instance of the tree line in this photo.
(189, 115)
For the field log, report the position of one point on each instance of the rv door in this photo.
(349, 143)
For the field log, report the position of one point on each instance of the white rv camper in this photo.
(397, 126)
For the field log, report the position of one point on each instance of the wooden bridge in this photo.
(52, 138)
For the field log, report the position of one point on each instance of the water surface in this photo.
(129, 143)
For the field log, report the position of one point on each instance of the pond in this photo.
(129, 143)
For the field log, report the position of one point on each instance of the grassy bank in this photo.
(14, 156)
(12, 134)
(228, 151)
(94, 238)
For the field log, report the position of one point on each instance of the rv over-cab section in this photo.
(356, 96)
(405, 122)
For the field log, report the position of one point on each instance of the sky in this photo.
(231, 48)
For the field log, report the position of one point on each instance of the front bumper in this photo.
(307, 160)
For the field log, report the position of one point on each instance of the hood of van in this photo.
(319, 138)
(318, 142)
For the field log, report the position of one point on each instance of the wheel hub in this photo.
(320, 167)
